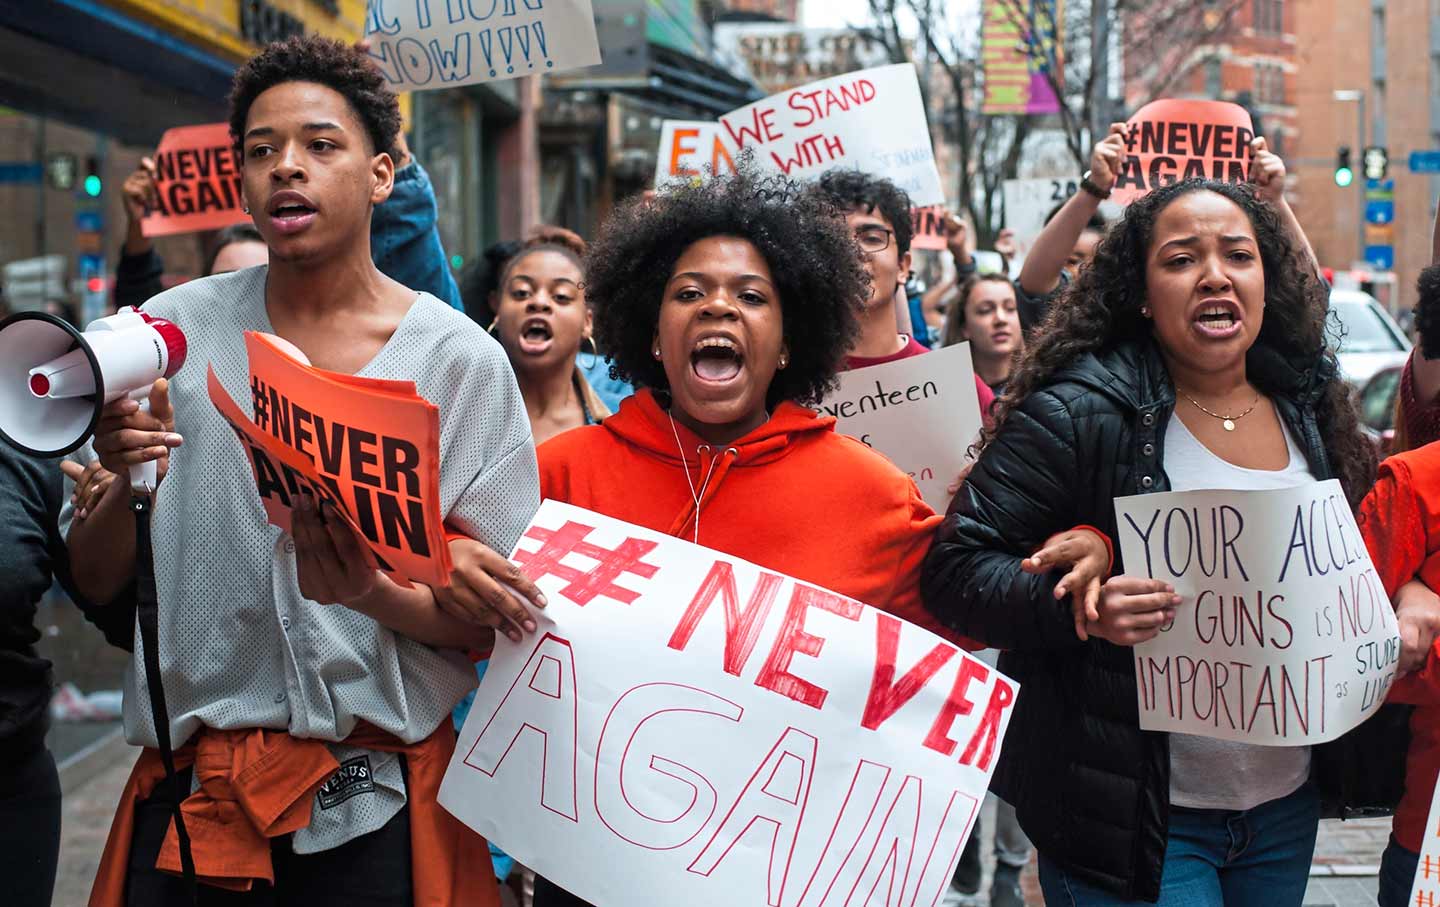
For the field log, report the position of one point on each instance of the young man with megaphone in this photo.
(313, 737)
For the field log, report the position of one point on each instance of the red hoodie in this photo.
(791, 496)
(1400, 521)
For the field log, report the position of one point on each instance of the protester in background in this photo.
(32, 556)
(1197, 316)
(543, 323)
(404, 240)
(984, 314)
(481, 279)
(379, 670)
(878, 215)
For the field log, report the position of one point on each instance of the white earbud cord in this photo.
(685, 465)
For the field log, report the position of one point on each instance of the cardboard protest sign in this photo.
(368, 446)
(929, 226)
(690, 150)
(922, 412)
(873, 120)
(1285, 636)
(1169, 141)
(423, 44)
(688, 728)
(197, 182)
(1425, 892)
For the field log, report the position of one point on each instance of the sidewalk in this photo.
(1347, 854)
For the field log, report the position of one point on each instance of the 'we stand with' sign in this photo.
(1285, 635)
(688, 728)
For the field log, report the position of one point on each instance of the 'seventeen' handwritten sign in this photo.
(688, 728)
(1285, 635)
(1169, 141)
(197, 182)
(872, 120)
(922, 412)
(421, 44)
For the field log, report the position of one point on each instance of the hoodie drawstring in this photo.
(703, 495)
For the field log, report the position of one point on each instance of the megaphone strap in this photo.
(148, 614)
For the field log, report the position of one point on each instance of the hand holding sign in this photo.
(333, 566)
(1267, 172)
(1106, 156)
(478, 592)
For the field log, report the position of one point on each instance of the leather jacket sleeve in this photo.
(1023, 490)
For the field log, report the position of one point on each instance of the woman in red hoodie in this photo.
(733, 304)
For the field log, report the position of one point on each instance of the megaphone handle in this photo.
(144, 477)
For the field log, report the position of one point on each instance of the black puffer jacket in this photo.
(1090, 788)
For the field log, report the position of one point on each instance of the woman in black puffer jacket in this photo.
(1200, 290)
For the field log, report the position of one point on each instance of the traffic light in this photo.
(93, 183)
(1377, 162)
(1344, 176)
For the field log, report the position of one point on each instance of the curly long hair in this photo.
(1101, 310)
(819, 276)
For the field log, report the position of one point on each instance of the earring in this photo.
(594, 351)
(784, 360)
(655, 352)
(245, 208)
(1145, 311)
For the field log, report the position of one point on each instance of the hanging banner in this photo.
(690, 150)
(1169, 141)
(1019, 41)
(872, 120)
(688, 728)
(922, 413)
(426, 44)
(370, 447)
(197, 182)
(1285, 636)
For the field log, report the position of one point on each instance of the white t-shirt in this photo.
(1253, 774)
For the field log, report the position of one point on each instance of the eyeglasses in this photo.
(873, 239)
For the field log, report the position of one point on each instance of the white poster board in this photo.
(1425, 892)
(687, 728)
(872, 120)
(1029, 201)
(923, 413)
(1285, 635)
(690, 150)
(426, 44)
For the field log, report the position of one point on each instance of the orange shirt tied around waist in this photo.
(259, 784)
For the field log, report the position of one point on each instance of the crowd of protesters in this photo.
(666, 373)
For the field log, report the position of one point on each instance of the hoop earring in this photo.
(594, 352)
(491, 329)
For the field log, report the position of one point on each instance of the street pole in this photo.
(1360, 159)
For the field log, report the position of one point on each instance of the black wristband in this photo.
(1089, 186)
(966, 269)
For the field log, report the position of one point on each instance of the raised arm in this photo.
(1267, 172)
(1051, 250)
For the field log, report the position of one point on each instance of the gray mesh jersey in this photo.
(239, 646)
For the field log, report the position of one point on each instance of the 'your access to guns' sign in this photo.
(1285, 635)
(689, 728)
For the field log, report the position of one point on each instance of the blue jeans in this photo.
(1397, 875)
(1216, 858)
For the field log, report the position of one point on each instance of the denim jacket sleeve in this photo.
(404, 240)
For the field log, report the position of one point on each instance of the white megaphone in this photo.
(54, 380)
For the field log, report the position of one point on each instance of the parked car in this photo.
(1376, 401)
(1370, 339)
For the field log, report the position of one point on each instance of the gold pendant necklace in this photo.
(1227, 421)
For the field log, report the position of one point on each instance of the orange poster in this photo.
(197, 178)
(369, 446)
(929, 224)
(1168, 141)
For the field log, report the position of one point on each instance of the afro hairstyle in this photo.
(854, 190)
(819, 278)
(324, 61)
(1427, 312)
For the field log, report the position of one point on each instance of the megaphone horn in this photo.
(55, 380)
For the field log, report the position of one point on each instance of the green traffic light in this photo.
(1344, 177)
(92, 186)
